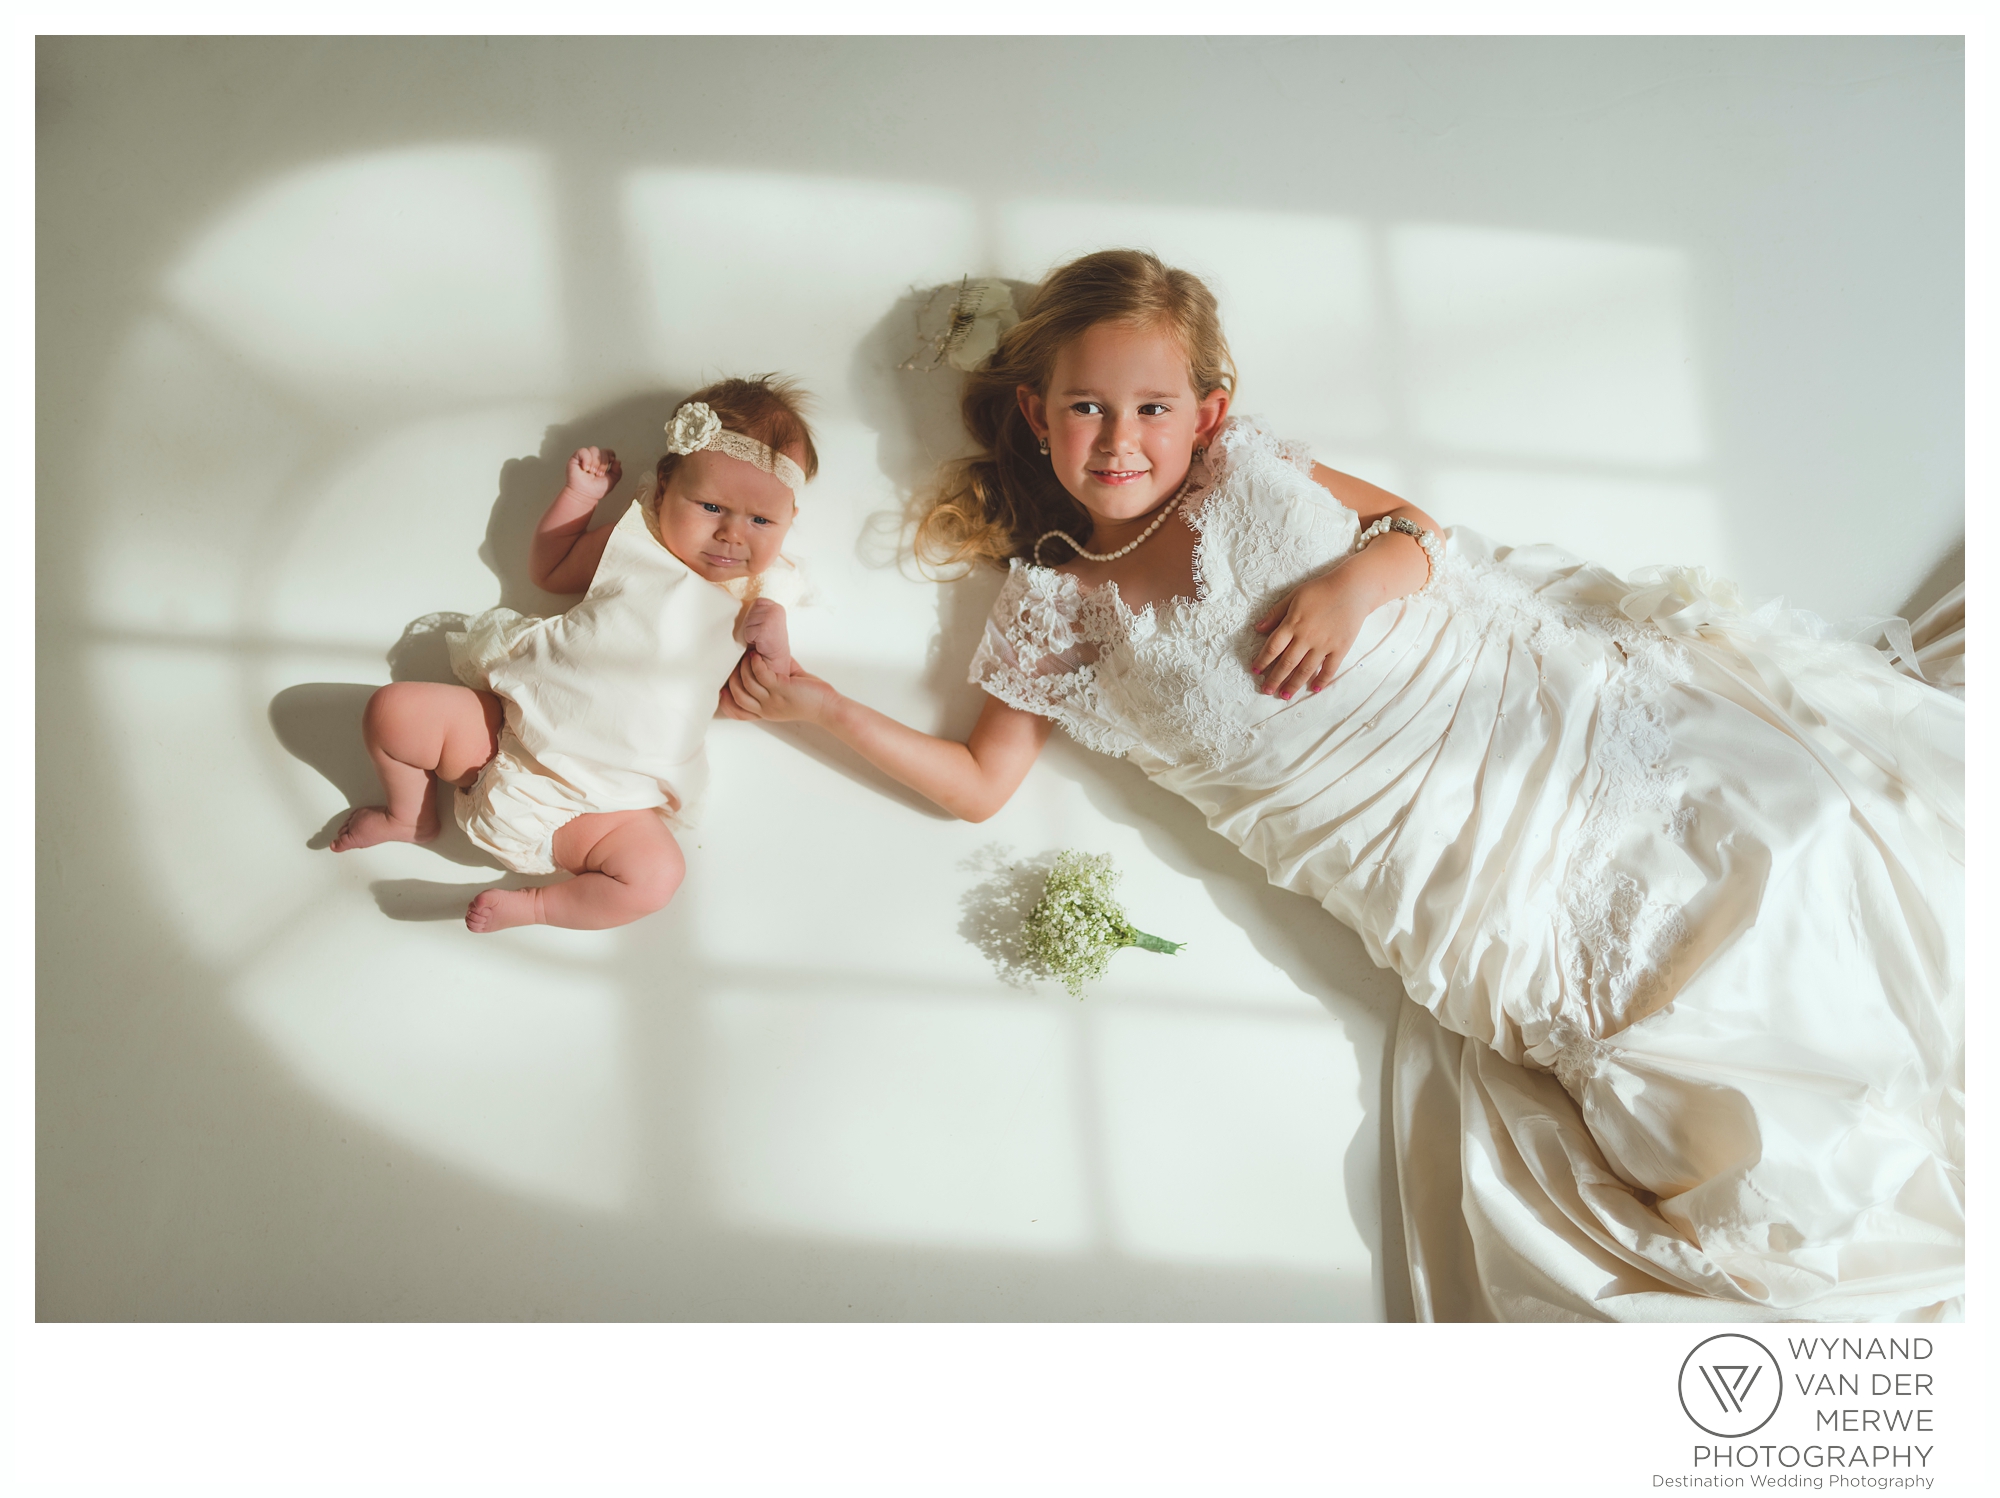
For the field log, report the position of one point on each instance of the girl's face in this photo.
(1121, 418)
(723, 517)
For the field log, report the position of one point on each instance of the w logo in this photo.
(1730, 1385)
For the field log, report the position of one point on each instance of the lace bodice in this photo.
(1172, 682)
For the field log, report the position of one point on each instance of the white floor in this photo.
(318, 324)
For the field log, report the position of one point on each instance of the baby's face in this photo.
(723, 517)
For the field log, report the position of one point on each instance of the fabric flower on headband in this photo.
(696, 428)
(693, 428)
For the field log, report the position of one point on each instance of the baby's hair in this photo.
(767, 407)
(993, 506)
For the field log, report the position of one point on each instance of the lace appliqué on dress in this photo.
(1244, 436)
(1621, 939)
(1247, 557)
(1034, 656)
(1265, 549)
(1616, 941)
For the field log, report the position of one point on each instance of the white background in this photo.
(318, 322)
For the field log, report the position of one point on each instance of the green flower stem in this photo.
(1077, 924)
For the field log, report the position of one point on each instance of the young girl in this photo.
(575, 737)
(1699, 871)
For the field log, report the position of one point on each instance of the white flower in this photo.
(962, 324)
(982, 311)
(1077, 924)
(694, 426)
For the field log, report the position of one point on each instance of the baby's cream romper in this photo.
(608, 703)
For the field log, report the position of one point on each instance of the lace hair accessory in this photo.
(960, 325)
(695, 428)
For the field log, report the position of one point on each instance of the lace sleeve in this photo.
(1031, 657)
(1244, 437)
(1029, 643)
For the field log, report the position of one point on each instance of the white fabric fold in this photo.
(607, 705)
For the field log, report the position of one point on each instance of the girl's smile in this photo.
(1121, 420)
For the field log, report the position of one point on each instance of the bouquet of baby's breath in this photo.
(1077, 925)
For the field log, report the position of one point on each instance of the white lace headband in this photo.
(695, 428)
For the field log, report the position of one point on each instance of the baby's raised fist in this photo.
(593, 472)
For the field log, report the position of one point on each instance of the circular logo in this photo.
(1730, 1385)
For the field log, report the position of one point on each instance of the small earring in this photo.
(1045, 447)
(1199, 452)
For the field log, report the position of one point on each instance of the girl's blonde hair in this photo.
(993, 506)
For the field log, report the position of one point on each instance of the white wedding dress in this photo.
(1678, 888)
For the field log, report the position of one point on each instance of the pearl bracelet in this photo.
(1433, 548)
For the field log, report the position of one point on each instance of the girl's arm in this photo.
(971, 780)
(565, 552)
(1310, 632)
(1367, 500)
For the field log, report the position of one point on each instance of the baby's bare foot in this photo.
(497, 909)
(368, 825)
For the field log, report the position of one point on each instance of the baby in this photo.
(576, 738)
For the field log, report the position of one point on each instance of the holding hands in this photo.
(764, 634)
(759, 691)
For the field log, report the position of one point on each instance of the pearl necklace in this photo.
(1133, 545)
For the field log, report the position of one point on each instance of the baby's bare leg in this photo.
(764, 632)
(626, 864)
(415, 730)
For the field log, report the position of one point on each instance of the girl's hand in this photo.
(1309, 633)
(593, 473)
(764, 632)
(756, 691)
